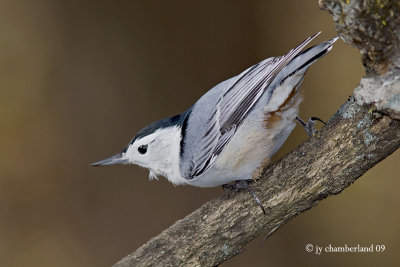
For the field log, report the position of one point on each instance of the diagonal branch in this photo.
(364, 131)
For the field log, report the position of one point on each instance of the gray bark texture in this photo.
(364, 131)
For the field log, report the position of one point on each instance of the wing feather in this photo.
(230, 109)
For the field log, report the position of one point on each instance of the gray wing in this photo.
(216, 116)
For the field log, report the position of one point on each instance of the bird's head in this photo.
(156, 147)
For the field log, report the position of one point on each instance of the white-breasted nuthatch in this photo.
(233, 130)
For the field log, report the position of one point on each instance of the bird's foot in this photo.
(243, 185)
(309, 126)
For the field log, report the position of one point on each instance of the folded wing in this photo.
(216, 117)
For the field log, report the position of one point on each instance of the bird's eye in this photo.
(142, 149)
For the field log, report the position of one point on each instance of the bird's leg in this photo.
(243, 185)
(309, 126)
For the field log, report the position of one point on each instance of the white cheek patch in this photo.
(162, 157)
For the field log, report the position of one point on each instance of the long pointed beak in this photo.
(116, 159)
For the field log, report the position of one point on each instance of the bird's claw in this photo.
(243, 185)
(309, 126)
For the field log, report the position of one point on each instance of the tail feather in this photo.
(309, 56)
(302, 61)
(291, 76)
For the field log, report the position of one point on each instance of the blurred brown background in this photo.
(78, 79)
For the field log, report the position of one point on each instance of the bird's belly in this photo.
(240, 158)
(256, 140)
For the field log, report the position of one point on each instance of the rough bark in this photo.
(372, 26)
(364, 131)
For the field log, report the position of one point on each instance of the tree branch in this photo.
(364, 131)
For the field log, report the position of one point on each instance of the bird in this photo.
(233, 130)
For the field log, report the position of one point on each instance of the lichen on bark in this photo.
(369, 25)
(372, 26)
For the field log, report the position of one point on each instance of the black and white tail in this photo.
(308, 57)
